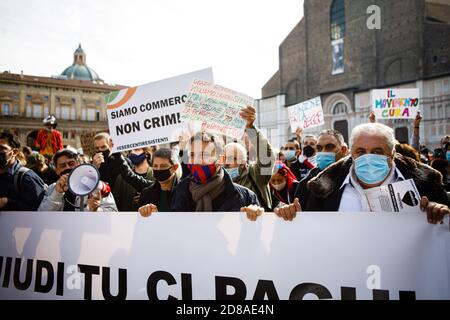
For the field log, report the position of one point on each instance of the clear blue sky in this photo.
(135, 42)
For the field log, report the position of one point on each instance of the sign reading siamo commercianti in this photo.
(148, 115)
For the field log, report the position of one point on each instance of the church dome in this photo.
(79, 70)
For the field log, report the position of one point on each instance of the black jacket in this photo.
(326, 191)
(300, 170)
(30, 195)
(110, 169)
(152, 194)
(302, 192)
(232, 199)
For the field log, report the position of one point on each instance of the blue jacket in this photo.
(31, 193)
(232, 199)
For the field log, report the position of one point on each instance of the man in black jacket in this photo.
(209, 187)
(331, 148)
(373, 163)
(26, 193)
(105, 161)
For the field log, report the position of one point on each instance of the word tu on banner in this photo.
(306, 115)
(395, 103)
(216, 107)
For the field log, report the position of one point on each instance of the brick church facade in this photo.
(335, 53)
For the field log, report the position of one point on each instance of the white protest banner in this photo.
(149, 114)
(395, 103)
(401, 196)
(57, 255)
(306, 115)
(217, 108)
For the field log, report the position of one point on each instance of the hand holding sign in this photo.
(147, 210)
(249, 115)
(417, 120)
(289, 211)
(435, 211)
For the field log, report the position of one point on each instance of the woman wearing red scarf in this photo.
(283, 184)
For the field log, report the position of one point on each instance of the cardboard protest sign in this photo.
(306, 115)
(87, 143)
(396, 197)
(216, 107)
(148, 115)
(395, 103)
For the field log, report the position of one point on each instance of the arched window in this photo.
(340, 108)
(337, 20)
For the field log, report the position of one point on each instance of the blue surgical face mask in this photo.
(233, 173)
(447, 155)
(372, 168)
(325, 159)
(289, 154)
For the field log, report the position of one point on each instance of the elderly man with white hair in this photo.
(373, 162)
(253, 175)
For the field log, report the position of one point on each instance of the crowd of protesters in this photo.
(207, 173)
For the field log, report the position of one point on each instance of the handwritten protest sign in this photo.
(148, 115)
(305, 115)
(216, 107)
(395, 103)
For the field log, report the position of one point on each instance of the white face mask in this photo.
(280, 186)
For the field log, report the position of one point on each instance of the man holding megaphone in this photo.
(76, 182)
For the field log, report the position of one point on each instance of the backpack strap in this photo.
(18, 178)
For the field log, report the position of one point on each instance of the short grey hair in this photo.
(241, 151)
(101, 136)
(209, 137)
(374, 129)
(339, 137)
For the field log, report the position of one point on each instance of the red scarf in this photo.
(290, 180)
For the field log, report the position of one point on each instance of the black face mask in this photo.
(66, 172)
(162, 175)
(106, 153)
(3, 160)
(308, 151)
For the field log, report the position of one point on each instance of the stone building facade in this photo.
(334, 53)
(76, 98)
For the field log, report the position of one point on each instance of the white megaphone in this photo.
(85, 179)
